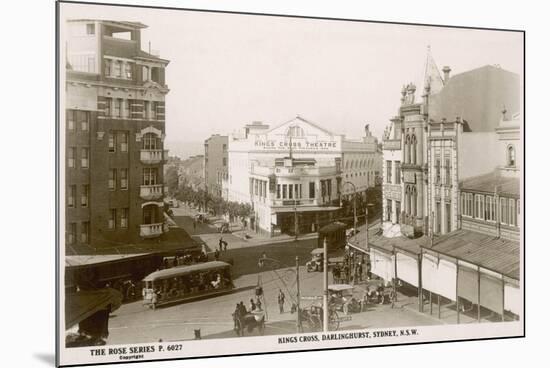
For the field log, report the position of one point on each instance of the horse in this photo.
(249, 321)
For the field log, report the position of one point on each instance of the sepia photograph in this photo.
(239, 183)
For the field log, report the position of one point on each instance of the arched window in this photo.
(408, 149)
(413, 148)
(511, 156)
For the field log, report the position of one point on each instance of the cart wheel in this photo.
(333, 321)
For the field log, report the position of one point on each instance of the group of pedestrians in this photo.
(222, 247)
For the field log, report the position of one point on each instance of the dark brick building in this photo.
(114, 134)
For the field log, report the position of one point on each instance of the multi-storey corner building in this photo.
(215, 164)
(115, 128)
(433, 144)
(297, 167)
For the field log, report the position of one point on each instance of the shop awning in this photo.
(303, 209)
(494, 254)
(83, 304)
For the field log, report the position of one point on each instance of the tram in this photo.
(182, 283)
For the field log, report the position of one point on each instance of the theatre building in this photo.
(295, 174)
(114, 137)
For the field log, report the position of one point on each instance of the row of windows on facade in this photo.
(124, 69)
(396, 165)
(85, 226)
(84, 232)
(117, 141)
(367, 174)
(78, 120)
(490, 208)
(72, 196)
(294, 191)
(126, 108)
(84, 157)
(359, 164)
(120, 176)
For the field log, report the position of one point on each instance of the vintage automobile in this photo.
(316, 262)
(341, 298)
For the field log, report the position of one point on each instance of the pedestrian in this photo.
(242, 308)
(281, 301)
(216, 254)
(360, 271)
(258, 303)
(224, 246)
(252, 305)
(220, 244)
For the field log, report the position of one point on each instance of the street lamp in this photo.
(354, 206)
(263, 259)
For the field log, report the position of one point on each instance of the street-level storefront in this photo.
(476, 271)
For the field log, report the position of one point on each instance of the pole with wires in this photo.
(298, 320)
(325, 286)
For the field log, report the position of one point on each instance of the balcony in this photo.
(150, 230)
(151, 192)
(152, 157)
(392, 144)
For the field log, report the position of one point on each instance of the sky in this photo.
(227, 70)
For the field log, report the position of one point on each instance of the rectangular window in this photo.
(388, 209)
(448, 216)
(284, 191)
(290, 191)
(512, 212)
(117, 68)
(278, 191)
(447, 171)
(112, 179)
(124, 218)
(312, 190)
(479, 206)
(107, 64)
(71, 156)
(300, 191)
(128, 70)
(438, 217)
(123, 142)
(84, 161)
(154, 110)
(126, 108)
(71, 233)
(85, 232)
(329, 187)
(123, 178)
(118, 108)
(70, 119)
(224, 161)
(224, 147)
(90, 29)
(112, 142)
(437, 171)
(84, 120)
(397, 172)
(112, 218)
(490, 208)
(71, 196)
(150, 176)
(108, 103)
(504, 211)
(146, 110)
(388, 172)
(85, 195)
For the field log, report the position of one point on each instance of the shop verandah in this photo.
(470, 275)
(302, 220)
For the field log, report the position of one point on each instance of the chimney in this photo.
(446, 73)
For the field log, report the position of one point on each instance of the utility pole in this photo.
(298, 321)
(295, 221)
(325, 286)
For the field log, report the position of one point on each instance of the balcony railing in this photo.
(392, 144)
(150, 230)
(151, 192)
(152, 157)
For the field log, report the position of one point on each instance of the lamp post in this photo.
(261, 262)
(354, 206)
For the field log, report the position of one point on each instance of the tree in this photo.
(171, 179)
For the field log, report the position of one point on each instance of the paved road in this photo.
(134, 323)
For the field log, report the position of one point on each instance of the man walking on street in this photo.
(281, 301)
(220, 244)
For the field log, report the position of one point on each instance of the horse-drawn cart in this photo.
(249, 321)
